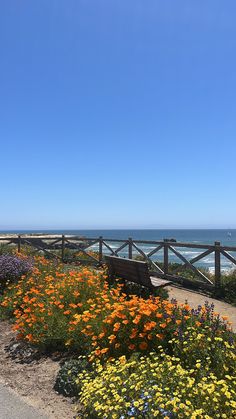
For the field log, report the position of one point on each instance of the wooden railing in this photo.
(58, 246)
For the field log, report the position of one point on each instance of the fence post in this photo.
(63, 248)
(19, 243)
(130, 248)
(217, 265)
(166, 257)
(100, 249)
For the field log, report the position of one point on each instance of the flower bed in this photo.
(155, 386)
(142, 344)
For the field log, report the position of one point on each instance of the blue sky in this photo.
(117, 113)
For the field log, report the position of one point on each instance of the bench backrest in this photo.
(130, 270)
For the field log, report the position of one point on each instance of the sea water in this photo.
(195, 236)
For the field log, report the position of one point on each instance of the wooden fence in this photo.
(58, 246)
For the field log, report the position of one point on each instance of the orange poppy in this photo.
(143, 346)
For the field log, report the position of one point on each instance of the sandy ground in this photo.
(34, 381)
(194, 299)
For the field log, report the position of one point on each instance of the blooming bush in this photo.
(77, 310)
(46, 303)
(155, 386)
(153, 357)
(207, 350)
(116, 326)
(12, 268)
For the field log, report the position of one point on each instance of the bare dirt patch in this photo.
(32, 377)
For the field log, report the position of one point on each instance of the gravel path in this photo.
(194, 299)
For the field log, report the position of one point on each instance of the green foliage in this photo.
(227, 289)
(177, 269)
(68, 375)
(7, 249)
(78, 257)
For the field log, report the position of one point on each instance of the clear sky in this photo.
(117, 113)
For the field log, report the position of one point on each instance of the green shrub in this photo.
(227, 289)
(66, 378)
(7, 249)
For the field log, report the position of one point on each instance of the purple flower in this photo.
(174, 301)
(13, 267)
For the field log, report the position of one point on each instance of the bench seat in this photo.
(133, 271)
(159, 282)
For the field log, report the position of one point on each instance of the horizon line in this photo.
(115, 228)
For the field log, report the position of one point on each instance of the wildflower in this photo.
(116, 327)
(143, 346)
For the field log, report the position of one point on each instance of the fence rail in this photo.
(58, 246)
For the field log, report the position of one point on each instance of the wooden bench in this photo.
(133, 271)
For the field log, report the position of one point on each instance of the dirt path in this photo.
(194, 299)
(34, 381)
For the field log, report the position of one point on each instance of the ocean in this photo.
(204, 236)
(226, 237)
